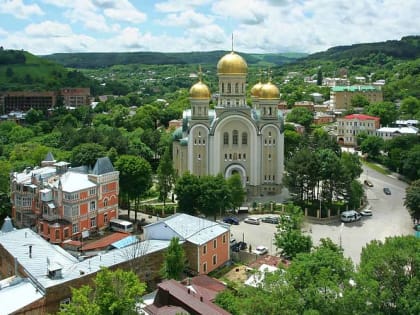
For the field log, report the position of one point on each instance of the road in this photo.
(390, 218)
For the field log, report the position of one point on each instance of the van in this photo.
(350, 216)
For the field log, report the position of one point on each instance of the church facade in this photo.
(233, 137)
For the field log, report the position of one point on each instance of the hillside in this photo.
(100, 60)
(20, 70)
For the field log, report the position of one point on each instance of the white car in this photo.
(260, 250)
(252, 220)
(366, 213)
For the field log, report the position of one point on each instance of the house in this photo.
(206, 243)
(63, 202)
(388, 133)
(174, 298)
(42, 274)
(348, 127)
(341, 96)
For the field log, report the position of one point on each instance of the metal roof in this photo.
(45, 254)
(193, 229)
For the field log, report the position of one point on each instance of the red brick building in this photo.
(62, 202)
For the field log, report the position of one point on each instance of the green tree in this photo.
(359, 100)
(237, 192)
(302, 116)
(188, 191)
(135, 179)
(87, 154)
(372, 145)
(292, 242)
(112, 293)
(319, 77)
(388, 276)
(165, 175)
(174, 261)
(386, 111)
(411, 163)
(412, 199)
(214, 195)
(20, 134)
(409, 108)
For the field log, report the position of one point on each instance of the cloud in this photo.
(18, 9)
(48, 29)
(187, 19)
(179, 6)
(247, 12)
(125, 11)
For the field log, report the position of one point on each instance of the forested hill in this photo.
(406, 48)
(100, 60)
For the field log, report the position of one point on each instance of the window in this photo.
(226, 156)
(236, 88)
(214, 243)
(205, 249)
(66, 233)
(244, 138)
(229, 88)
(199, 156)
(205, 267)
(199, 134)
(41, 228)
(92, 206)
(93, 222)
(92, 191)
(106, 218)
(235, 137)
(244, 156)
(57, 234)
(223, 88)
(269, 157)
(105, 202)
(214, 259)
(225, 138)
(224, 238)
(239, 156)
(75, 228)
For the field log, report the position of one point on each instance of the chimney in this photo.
(201, 299)
(189, 291)
(30, 251)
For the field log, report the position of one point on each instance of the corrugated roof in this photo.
(361, 117)
(17, 244)
(194, 229)
(104, 241)
(129, 240)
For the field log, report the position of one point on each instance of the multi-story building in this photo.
(61, 202)
(348, 127)
(25, 100)
(75, 97)
(341, 96)
(233, 137)
(388, 133)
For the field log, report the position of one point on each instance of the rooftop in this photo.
(354, 88)
(361, 117)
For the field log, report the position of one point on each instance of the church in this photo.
(233, 137)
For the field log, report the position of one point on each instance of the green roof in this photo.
(354, 88)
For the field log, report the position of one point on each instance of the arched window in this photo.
(225, 138)
(229, 88)
(105, 202)
(223, 88)
(235, 156)
(236, 88)
(244, 138)
(235, 137)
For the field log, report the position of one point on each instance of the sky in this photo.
(258, 26)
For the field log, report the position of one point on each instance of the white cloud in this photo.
(178, 6)
(187, 19)
(246, 12)
(48, 29)
(3, 32)
(125, 11)
(18, 9)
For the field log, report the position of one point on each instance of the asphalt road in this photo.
(390, 218)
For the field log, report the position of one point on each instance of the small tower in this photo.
(199, 99)
(269, 98)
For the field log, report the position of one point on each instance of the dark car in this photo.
(387, 191)
(231, 220)
(271, 219)
(238, 246)
(368, 183)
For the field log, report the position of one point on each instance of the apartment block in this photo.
(75, 97)
(348, 127)
(341, 96)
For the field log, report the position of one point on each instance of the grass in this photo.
(379, 168)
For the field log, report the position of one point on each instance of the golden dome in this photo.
(256, 89)
(200, 91)
(269, 91)
(232, 63)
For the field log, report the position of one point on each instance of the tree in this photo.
(409, 108)
(301, 115)
(174, 261)
(319, 77)
(359, 100)
(412, 199)
(188, 190)
(113, 292)
(388, 276)
(135, 178)
(372, 145)
(411, 163)
(166, 175)
(236, 191)
(293, 242)
(386, 111)
(87, 154)
(214, 195)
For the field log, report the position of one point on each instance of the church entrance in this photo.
(236, 169)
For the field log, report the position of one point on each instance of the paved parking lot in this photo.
(390, 218)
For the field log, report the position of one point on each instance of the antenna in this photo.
(232, 42)
(200, 73)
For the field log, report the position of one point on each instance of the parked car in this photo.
(271, 219)
(238, 246)
(387, 191)
(366, 213)
(368, 183)
(350, 216)
(231, 220)
(252, 220)
(260, 250)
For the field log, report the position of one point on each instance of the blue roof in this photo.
(129, 240)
